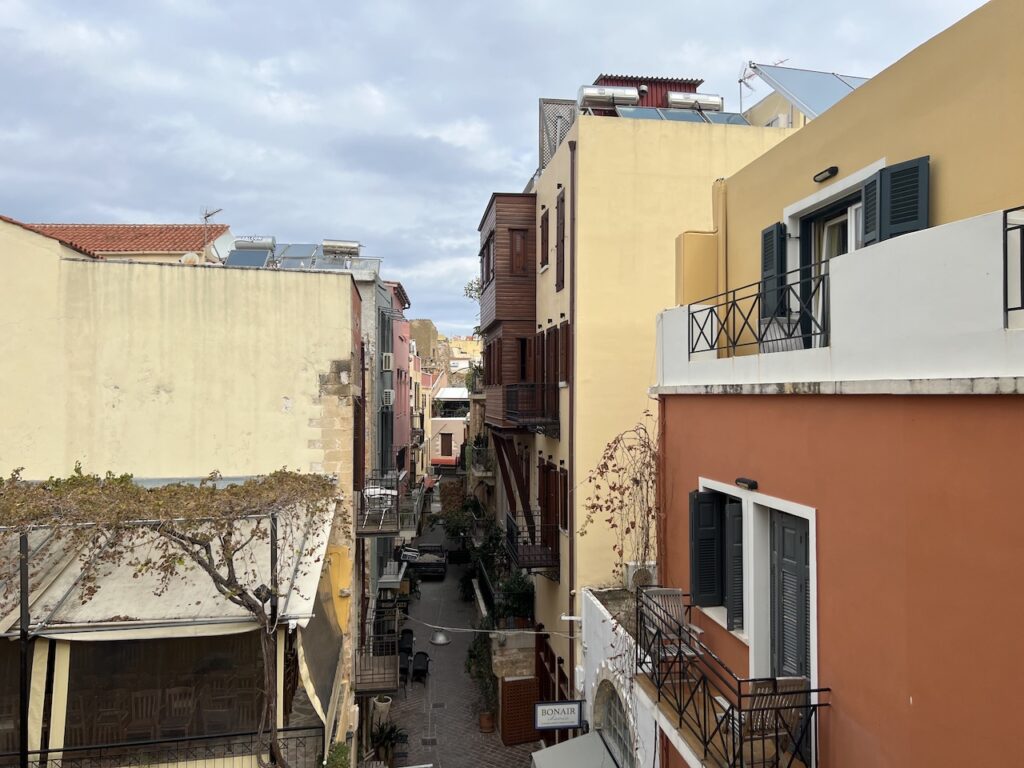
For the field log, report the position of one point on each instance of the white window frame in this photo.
(757, 631)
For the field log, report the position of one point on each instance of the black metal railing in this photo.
(303, 747)
(1013, 262)
(532, 404)
(530, 543)
(376, 664)
(779, 314)
(737, 721)
(377, 506)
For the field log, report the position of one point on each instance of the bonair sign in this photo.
(554, 715)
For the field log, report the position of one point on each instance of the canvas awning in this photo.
(587, 751)
(134, 607)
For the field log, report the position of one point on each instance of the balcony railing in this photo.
(480, 459)
(532, 405)
(376, 658)
(302, 747)
(779, 314)
(377, 508)
(532, 544)
(1013, 262)
(732, 722)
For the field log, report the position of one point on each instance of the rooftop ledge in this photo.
(918, 314)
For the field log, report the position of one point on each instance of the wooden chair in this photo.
(216, 720)
(668, 634)
(420, 667)
(770, 719)
(179, 708)
(144, 715)
(109, 711)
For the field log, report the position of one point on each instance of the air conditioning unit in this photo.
(638, 575)
(389, 397)
(387, 361)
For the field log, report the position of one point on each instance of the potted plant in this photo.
(338, 756)
(381, 707)
(384, 737)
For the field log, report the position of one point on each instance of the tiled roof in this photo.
(61, 240)
(134, 238)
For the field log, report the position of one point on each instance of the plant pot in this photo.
(381, 708)
(486, 722)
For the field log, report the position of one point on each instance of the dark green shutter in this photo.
(903, 198)
(773, 269)
(734, 564)
(791, 600)
(706, 586)
(896, 200)
(871, 212)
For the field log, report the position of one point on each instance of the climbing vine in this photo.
(624, 494)
(110, 522)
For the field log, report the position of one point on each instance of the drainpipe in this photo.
(572, 416)
(720, 221)
(23, 637)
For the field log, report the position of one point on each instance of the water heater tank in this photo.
(606, 96)
(705, 101)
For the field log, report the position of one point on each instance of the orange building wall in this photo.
(920, 544)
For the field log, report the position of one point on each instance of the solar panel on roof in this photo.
(639, 113)
(812, 92)
(683, 115)
(295, 264)
(248, 258)
(726, 118)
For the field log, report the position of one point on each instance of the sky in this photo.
(385, 121)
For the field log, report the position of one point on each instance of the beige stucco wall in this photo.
(770, 107)
(641, 183)
(952, 98)
(165, 371)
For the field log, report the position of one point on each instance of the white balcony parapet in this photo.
(921, 313)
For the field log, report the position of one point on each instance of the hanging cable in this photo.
(473, 630)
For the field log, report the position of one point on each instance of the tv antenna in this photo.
(208, 214)
(747, 74)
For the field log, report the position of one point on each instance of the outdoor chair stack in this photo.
(420, 667)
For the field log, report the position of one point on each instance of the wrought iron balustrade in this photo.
(376, 658)
(303, 747)
(735, 721)
(779, 314)
(531, 543)
(1013, 262)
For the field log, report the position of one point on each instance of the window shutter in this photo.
(705, 548)
(542, 486)
(563, 351)
(563, 476)
(773, 269)
(518, 242)
(538, 358)
(560, 242)
(903, 198)
(734, 564)
(870, 218)
(544, 244)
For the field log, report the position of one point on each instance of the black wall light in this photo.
(746, 483)
(827, 174)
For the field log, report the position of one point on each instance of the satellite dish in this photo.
(191, 258)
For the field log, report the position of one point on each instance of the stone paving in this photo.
(442, 716)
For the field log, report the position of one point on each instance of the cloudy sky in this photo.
(386, 121)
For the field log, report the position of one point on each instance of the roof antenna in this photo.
(747, 73)
(207, 214)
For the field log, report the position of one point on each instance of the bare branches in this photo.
(624, 494)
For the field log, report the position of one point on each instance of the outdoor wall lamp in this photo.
(746, 483)
(827, 174)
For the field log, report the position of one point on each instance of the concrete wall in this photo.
(916, 544)
(921, 105)
(927, 305)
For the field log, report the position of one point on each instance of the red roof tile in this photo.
(134, 238)
(61, 240)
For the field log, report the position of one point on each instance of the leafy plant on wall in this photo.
(623, 494)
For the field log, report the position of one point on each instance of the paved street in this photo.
(441, 717)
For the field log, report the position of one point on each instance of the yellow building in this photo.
(574, 272)
(172, 372)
